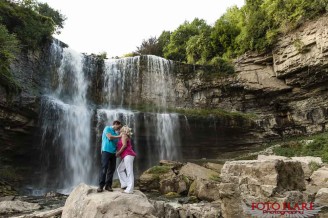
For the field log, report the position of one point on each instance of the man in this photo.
(108, 157)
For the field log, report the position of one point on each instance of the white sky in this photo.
(118, 27)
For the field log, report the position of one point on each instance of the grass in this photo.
(318, 147)
(203, 113)
(158, 170)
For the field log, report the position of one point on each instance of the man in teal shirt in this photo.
(108, 157)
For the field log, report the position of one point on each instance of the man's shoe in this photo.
(108, 189)
(99, 189)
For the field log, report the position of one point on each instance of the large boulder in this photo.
(205, 190)
(150, 179)
(321, 198)
(257, 181)
(194, 171)
(307, 163)
(12, 207)
(85, 202)
(271, 157)
(213, 166)
(179, 184)
(320, 177)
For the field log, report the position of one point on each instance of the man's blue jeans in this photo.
(108, 165)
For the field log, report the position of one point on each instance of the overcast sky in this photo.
(117, 27)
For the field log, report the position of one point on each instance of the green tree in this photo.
(224, 33)
(176, 49)
(9, 47)
(149, 47)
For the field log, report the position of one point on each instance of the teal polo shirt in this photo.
(109, 145)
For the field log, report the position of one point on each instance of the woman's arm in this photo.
(124, 142)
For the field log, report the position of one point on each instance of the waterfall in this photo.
(72, 125)
(65, 125)
(127, 84)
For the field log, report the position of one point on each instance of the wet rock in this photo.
(188, 200)
(11, 207)
(84, 201)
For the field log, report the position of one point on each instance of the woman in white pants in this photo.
(125, 151)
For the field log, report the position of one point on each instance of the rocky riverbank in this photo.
(174, 189)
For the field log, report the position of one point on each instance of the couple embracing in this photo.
(116, 142)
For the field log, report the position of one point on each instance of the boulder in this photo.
(173, 164)
(256, 181)
(306, 164)
(271, 157)
(85, 202)
(205, 190)
(150, 179)
(200, 210)
(197, 210)
(320, 177)
(179, 184)
(10, 207)
(214, 166)
(194, 171)
(321, 198)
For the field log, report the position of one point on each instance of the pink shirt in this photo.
(128, 150)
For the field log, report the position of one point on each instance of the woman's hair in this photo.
(127, 130)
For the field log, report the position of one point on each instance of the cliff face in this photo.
(287, 88)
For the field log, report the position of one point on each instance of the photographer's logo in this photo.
(275, 209)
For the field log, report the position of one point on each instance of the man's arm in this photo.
(111, 137)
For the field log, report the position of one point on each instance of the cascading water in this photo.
(66, 123)
(71, 125)
(162, 129)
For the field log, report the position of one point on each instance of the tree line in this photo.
(254, 27)
(24, 25)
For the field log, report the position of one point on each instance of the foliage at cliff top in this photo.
(316, 145)
(24, 24)
(253, 27)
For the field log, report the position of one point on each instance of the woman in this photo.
(124, 150)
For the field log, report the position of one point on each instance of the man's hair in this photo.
(117, 122)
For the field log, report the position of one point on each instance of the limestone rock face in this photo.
(84, 201)
(194, 171)
(256, 181)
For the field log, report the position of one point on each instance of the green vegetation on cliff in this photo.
(24, 25)
(316, 145)
(253, 27)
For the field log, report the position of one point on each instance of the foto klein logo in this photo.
(275, 209)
